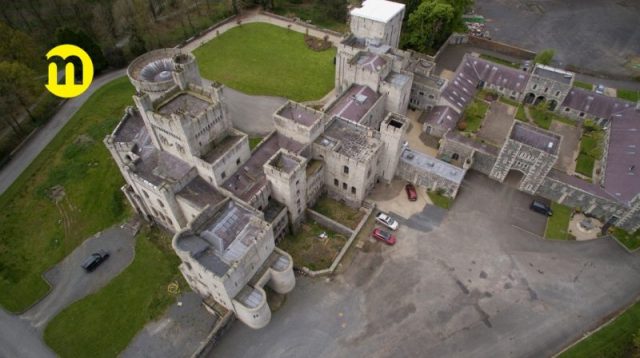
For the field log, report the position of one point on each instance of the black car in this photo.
(94, 260)
(541, 208)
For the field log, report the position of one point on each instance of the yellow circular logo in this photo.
(69, 88)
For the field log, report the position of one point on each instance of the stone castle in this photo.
(188, 169)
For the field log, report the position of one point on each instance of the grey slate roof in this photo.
(441, 116)
(622, 171)
(597, 105)
(535, 137)
(354, 103)
(433, 165)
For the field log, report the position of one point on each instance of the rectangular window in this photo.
(344, 186)
(336, 182)
(353, 190)
(345, 169)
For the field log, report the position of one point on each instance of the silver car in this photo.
(387, 221)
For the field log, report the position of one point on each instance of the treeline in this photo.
(428, 23)
(111, 31)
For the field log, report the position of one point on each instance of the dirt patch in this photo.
(317, 44)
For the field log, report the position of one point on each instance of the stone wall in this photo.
(502, 48)
(328, 223)
(420, 176)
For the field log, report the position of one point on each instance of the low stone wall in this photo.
(328, 223)
(501, 47)
(302, 23)
(345, 248)
(455, 38)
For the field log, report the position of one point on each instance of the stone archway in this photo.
(552, 105)
(529, 98)
(539, 100)
(514, 178)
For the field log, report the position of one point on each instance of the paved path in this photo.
(46, 133)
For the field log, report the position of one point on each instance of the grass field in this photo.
(629, 95)
(309, 250)
(35, 232)
(631, 241)
(590, 151)
(612, 341)
(558, 223)
(500, 61)
(474, 115)
(541, 117)
(440, 200)
(103, 324)
(339, 212)
(263, 59)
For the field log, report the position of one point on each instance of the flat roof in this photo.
(378, 10)
(219, 149)
(348, 138)
(184, 102)
(131, 128)
(354, 103)
(370, 61)
(553, 73)
(622, 171)
(201, 193)
(433, 165)
(284, 162)
(299, 114)
(535, 137)
(397, 78)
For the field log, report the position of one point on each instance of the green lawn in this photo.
(339, 212)
(585, 85)
(509, 101)
(309, 250)
(263, 59)
(541, 117)
(629, 95)
(103, 324)
(474, 115)
(35, 233)
(440, 200)
(558, 223)
(520, 115)
(590, 151)
(612, 341)
(631, 241)
(500, 61)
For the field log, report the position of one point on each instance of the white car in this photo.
(387, 221)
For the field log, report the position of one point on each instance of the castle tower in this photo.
(287, 174)
(393, 133)
(186, 70)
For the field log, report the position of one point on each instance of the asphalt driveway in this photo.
(471, 284)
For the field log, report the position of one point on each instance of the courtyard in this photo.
(476, 281)
(263, 59)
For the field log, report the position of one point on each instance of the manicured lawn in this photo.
(590, 151)
(339, 212)
(103, 324)
(629, 95)
(558, 223)
(612, 341)
(474, 115)
(631, 241)
(253, 142)
(509, 101)
(585, 85)
(263, 59)
(440, 200)
(35, 232)
(309, 250)
(500, 61)
(520, 115)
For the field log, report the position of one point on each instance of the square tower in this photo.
(379, 21)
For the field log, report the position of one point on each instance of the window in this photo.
(145, 194)
(344, 186)
(223, 175)
(421, 93)
(353, 190)
(431, 96)
(160, 203)
(535, 86)
(557, 93)
(297, 181)
(566, 109)
(546, 90)
(581, 114)
(345, 169)
(238, 161)
(369, 173)
(336, 182)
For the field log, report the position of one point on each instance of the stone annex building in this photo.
(188, 169)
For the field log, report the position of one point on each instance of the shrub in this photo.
(462, 125)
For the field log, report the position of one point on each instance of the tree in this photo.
(16, 46)
(18, 89)
(429, 25)
(333, 9)
(80, 38)
(137, 45)
(545, 57)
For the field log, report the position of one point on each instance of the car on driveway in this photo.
(599, 89)
(540, 207)
(384, 236)
(94, 260)
(412, 194)
(387, 221)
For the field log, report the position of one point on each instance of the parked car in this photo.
(599, 89)
(541, 208)
(94, 260)
(412, 194)
(387, 221)
(384, 236)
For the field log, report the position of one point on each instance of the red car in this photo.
(412, 194)
(384, 236)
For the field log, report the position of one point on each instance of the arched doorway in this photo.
(528, 99)
(514, 178)
(552, 105)
(539, 100)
